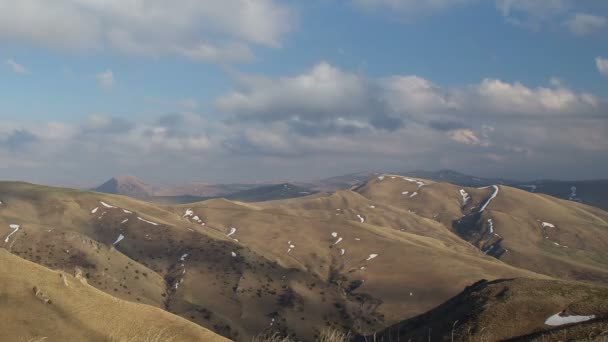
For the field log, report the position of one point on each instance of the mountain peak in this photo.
(126, 185)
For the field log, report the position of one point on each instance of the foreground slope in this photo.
(521, 309)
(533, 231)
(43, 305)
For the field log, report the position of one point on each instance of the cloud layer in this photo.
(338, 121)
(206, 30)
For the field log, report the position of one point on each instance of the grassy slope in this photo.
(517, 217)
(76, 311)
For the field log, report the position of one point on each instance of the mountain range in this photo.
(592, 192)
(397, 256)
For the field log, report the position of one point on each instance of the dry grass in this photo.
(334, 335)
(326, 335)
(271, 337)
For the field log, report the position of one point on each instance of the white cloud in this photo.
(105, 79)
(322, 90)
(326, 93)
(602, 65)
(206, 30)
(515, 98)
(583, 23)
(16, 67)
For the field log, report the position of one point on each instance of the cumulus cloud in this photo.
(583, 23)
(105, 79)
(325, 94)
(206, 30)
(16, 67)
(602, 65)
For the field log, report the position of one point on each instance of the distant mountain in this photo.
(271, 192)
(458, 178)
(203, 190)
(127, 186)
(343, 182)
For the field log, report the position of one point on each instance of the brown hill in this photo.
(537, 232)
(360, 261)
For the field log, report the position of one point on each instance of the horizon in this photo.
(274, 90)
(275, 181)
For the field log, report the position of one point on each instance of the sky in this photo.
(262, 90)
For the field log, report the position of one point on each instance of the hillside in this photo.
(518, 309)
(537, 232)
(43, 305)
(591, 192)
(361, 259)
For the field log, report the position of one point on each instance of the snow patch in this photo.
(94, 210)
(361, 218)
(342, 251)
(496, 189)
(150, 222)
(371, 256)
(381, 178)
(334, 234)
(465, 196)
(15, 228)
(419, 183)
(189, 212)
(232, 231)
(124, 221)
(120, 238)
(338, 241)
(183, 258)
(405, 192)
(107, 205)
(557, 319)
(548, 225)
(233, 254)
(491, 226)
(414, 195)
(127, 211)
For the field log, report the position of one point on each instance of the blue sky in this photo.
(247, 90)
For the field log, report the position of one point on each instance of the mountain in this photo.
(127, 186)
(591, 192)
(533, 231)
(39, 304)
(517, 309)
(362, 259)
